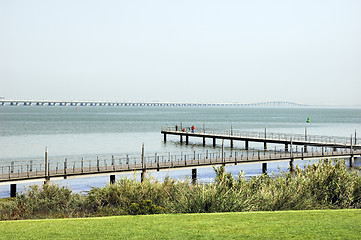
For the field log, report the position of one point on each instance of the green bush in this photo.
(44, 201)
(145, 207)
(325, 184)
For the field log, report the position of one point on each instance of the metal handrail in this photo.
(66, 167)
(270, 135)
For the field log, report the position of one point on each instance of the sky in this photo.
(305, 51)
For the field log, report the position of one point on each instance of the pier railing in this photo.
(269, 135)
(32, 169)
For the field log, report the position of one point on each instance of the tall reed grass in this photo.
(325, 184)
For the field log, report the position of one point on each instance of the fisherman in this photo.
(193, 129)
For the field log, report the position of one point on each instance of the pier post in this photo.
(286, 147)
(142, 176)
(194, 175)
(165, 137)
(187, 139)
(181, 138)
(223, 160)
(351, 157)
(292, 165)
(265, 133)
(204, 141)
(214, 142)
(352, 161)
(65, 166)
(113, 163)
(355, 138)
(46, 163)
(231, 143)
(143, 163)
(157, 161)
(265, 145)
(264, 167)
(305, 146)
(246, 144)
(47, 180)
(112, 179)
(13, 190)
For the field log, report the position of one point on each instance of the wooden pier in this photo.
(263, 137)
(50, 168)
(47, 169)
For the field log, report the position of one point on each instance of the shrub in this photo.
(145, 207)
(46, 201)
(325, 184)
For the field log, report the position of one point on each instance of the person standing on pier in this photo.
(193, 129)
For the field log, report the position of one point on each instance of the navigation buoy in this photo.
(308, 119)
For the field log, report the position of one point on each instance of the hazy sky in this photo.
(206, 51)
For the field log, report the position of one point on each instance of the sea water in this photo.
(76, 131)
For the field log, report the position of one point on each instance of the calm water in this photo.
(70, 131)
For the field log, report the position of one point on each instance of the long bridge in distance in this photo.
(10, 102)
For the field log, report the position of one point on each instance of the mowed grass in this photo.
(315, 224)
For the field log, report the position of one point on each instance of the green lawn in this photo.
(324, 224)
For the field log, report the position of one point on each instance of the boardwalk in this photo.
(263, 137)
(20, 171)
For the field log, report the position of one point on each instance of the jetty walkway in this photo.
(46, 169)
(263, 137)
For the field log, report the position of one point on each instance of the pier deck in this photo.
(264, 137)
(20, 171)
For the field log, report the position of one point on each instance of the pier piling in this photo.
(352, 161)
(47, 180)
(264, 167)
(142, 176)
(13, 190)
(194, 175)
(112, 179)
(292, 165)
